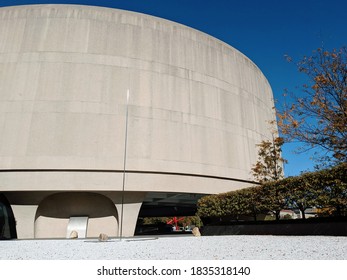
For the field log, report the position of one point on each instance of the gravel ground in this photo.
(239, 247)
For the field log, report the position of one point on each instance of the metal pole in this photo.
(124, 163)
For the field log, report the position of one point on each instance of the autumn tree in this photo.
(269, 166)
(318, 118)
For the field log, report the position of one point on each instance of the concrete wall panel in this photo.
(197, 106)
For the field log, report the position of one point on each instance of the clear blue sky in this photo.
(264, 30)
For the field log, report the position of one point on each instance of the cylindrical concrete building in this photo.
(78, 152)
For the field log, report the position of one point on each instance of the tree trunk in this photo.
(278, 215)
(303, 214)
(254, 213)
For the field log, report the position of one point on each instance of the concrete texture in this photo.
(196, 111)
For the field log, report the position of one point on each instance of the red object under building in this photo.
(175, 221)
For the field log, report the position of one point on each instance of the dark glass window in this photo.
(7, 221)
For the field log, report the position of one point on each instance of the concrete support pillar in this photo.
(131, 209)
(25, 219)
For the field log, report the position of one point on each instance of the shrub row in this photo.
(326, 189)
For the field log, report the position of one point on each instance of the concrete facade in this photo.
(196, 110)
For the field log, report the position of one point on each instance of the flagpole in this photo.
(124, 162)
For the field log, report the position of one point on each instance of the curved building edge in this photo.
(40, 197)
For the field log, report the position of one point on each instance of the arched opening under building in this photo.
(168, 206)
(7, 220)
(87, 213)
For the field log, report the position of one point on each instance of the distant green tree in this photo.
(211, 206)
(302, 193)
(250, 201)
(154, 220)
(274, 197)
(325, 189)
(332, 184)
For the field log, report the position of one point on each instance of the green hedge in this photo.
(326, 189)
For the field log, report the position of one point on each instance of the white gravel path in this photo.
(240, 247)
